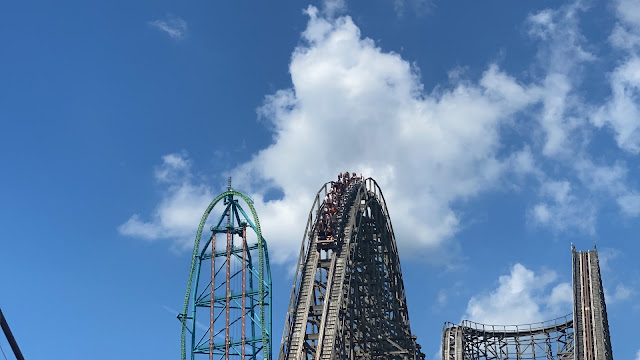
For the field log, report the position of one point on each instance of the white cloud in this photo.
(610, 181)
(557, 190)
(438, 355)
(562, 53)
(178, 214)
(602, 178)
(442, 298)
(175, 168)
(564, 47)
(629, 12)
(332, 8)
(173, 26)
(418, 7)
(561, 295)
(638, 355)
(629, 204)
(541, 24)
(355, 107)
(523, 163)
(521, 297)
(621, 293)
(562, 210)
(606, 257)
(553, 120)
(623, 38)
(621, 112)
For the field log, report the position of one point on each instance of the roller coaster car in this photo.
(326, 241)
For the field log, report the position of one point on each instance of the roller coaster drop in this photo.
(348, 299)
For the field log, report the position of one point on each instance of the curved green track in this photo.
(194, 259)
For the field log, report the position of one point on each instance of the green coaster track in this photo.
(264, 275)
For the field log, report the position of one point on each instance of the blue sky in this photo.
(500, 133)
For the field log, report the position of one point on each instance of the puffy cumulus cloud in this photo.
(521, 297)
(353, 106)
(561, 295)
(638, 355)
(177, 215)
(356, 107)
(173, 26)
(629, 12)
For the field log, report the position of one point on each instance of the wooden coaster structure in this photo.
(348, 299)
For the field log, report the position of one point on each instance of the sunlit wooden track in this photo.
(348, 299)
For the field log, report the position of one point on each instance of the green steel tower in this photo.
(227, 308)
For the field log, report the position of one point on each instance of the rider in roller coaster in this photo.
(326, 225)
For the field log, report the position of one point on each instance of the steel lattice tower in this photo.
(348, 299)
(229, 287)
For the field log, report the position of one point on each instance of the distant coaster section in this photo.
(549, 340)
(583, 335)
(227, 307)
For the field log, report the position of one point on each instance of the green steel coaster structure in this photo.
(229, 286)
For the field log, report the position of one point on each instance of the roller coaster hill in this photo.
(348, 299)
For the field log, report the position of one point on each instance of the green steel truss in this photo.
(225, 269)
